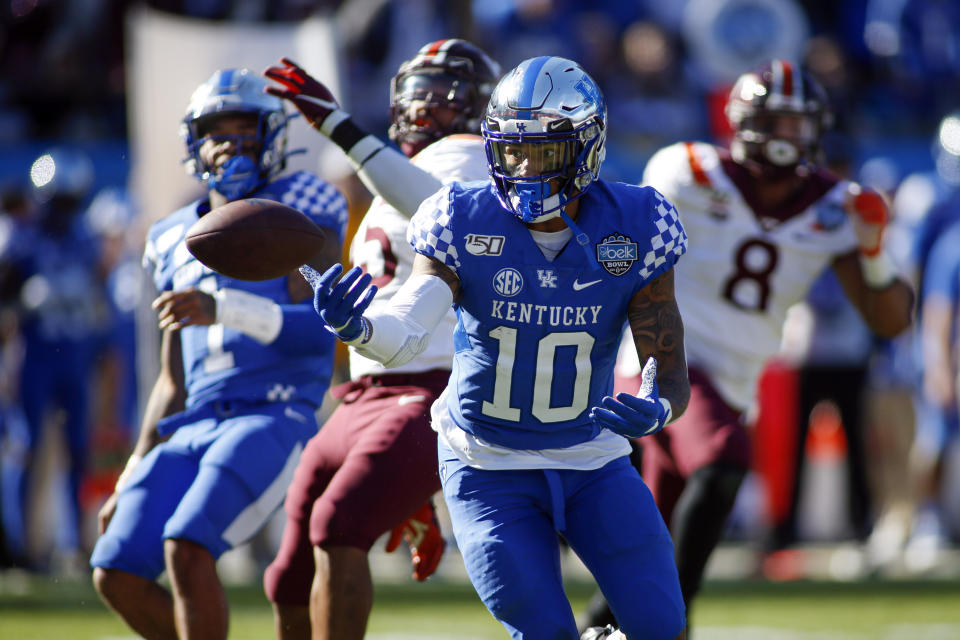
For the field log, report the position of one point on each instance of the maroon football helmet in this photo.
(449, 73)
(778, 114)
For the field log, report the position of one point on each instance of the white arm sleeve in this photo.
(401, 330)
(384, 170)
(392, 176)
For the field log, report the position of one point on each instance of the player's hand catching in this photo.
(178, 309)
(422, 533)
(341, 305)
(308, 94)
(635, 416)
(870, 216)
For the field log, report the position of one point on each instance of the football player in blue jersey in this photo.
(60, 306)
(243, 371)
(544, 264)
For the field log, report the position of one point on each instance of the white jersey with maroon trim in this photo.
(743, 270)
(380, 246)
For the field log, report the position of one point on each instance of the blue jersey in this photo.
(63, 298)
(222, 363)
(536, 340)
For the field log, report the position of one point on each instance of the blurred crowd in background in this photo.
(71, 239)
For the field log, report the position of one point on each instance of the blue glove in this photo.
(341, 305)
(635, 416)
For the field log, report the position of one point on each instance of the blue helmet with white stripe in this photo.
(544, 134)
(236, 91)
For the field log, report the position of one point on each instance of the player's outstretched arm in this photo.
(397, 332)
(665, 389)
(869, 279)
(383, 169)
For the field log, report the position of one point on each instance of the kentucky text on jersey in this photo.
(543, 314)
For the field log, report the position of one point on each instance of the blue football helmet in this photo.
(544, 135)
(232, 91)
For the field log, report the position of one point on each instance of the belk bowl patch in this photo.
(616, 254)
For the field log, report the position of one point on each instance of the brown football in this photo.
(254, 239)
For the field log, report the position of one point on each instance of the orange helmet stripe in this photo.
(699, 175)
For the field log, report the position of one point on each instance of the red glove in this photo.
(422, 533)
(870, 219)
(308, 94)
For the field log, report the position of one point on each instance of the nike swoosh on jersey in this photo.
(407, 398)
(577, 286)
(296, 415)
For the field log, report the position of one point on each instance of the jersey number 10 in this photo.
(546, 351)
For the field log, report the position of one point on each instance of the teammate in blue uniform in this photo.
(61, 306)
(544, 264)
(243, 370)
(938, 408)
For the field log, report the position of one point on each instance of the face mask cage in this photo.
(780, 139)
(537, 174)
(269, 143)
(435, 90)
(797, 128)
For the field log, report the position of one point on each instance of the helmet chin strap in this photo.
(238, 177)
(582, 239)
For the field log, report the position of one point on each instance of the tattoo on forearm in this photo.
(658, 331)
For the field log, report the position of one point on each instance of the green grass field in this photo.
(43, 609)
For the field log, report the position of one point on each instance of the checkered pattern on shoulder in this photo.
(315, 197)
(429, 231)
(670, 238)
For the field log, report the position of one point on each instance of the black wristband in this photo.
(347, 134)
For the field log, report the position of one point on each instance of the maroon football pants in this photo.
(371, 465)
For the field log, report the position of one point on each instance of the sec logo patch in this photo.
(507, 282)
